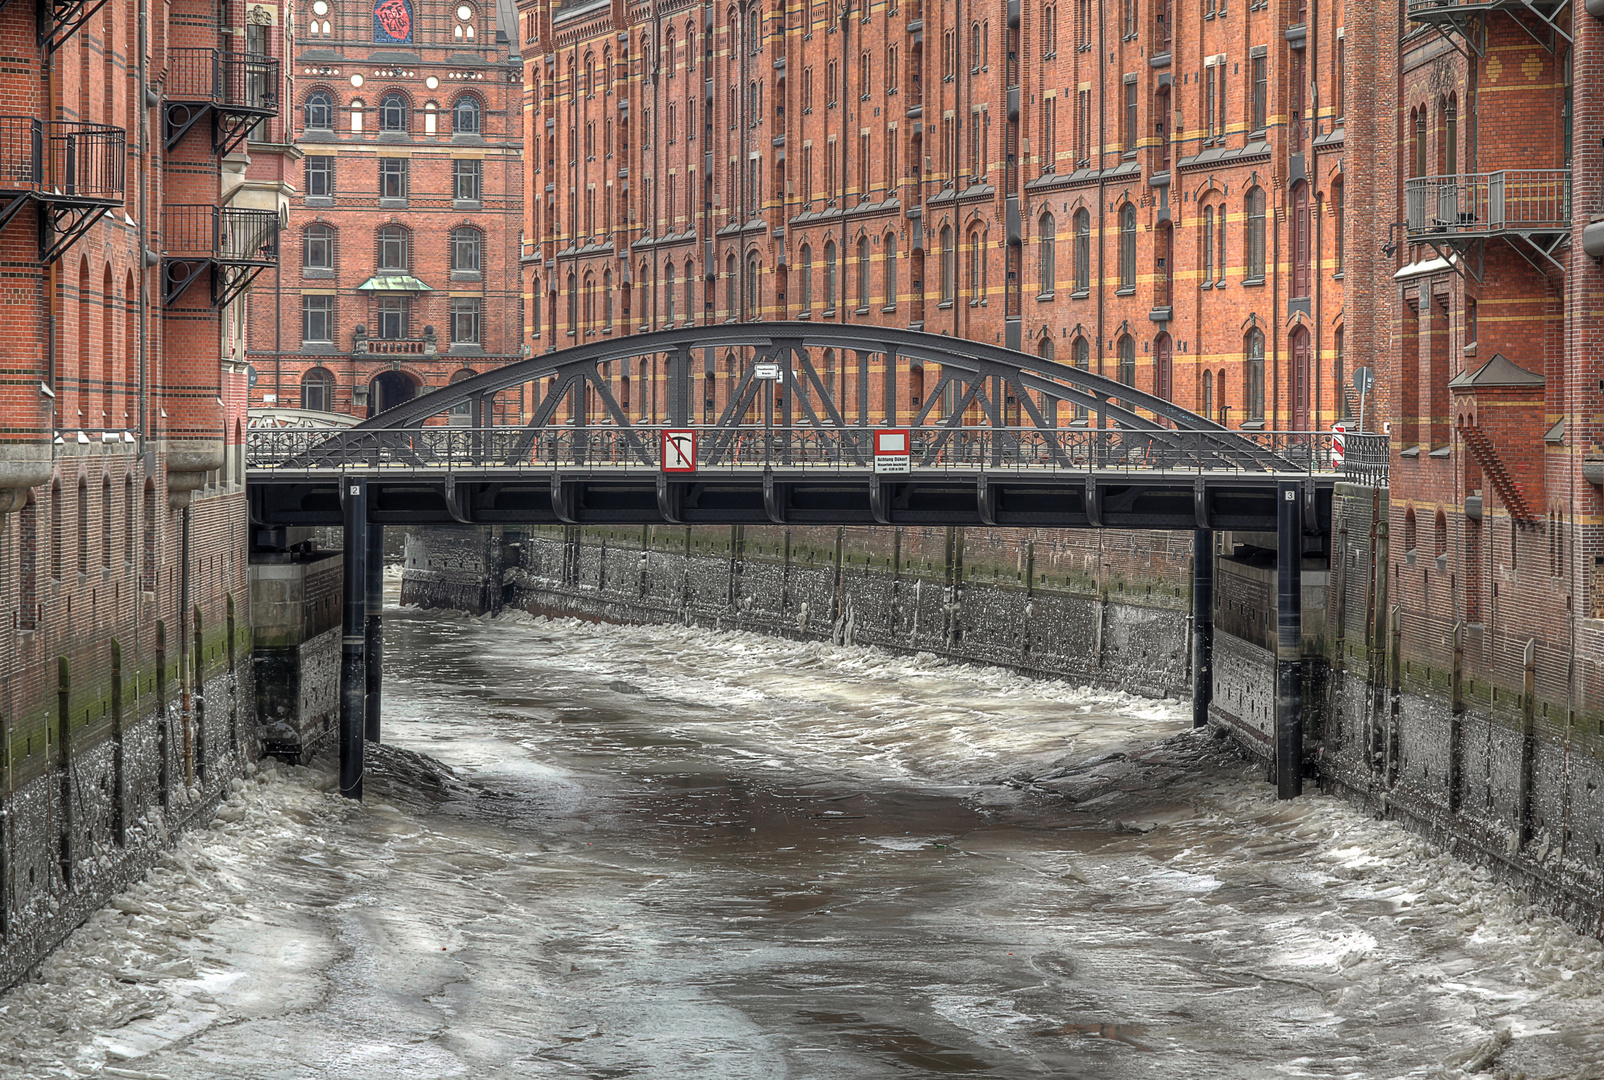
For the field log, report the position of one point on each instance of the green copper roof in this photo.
(393, 283)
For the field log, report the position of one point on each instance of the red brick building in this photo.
(400, 267)
(139, 196)
(1493, 378)
(1151, 190)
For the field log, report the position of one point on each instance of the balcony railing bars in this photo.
(1482, 204)
(234, 244)
(247, 82)
(78, 171)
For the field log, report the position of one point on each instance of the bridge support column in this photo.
(1289, 640)
(353, 665)
(1202, 625)
(374, 643)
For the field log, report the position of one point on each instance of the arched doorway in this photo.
(389, 389)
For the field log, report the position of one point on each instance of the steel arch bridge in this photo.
(783, 415)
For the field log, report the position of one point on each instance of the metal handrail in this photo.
(229, 234)
(61, 159)
(1507, 200)
(237, 81)
(754, 448)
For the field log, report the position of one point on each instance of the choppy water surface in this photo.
(658, 852)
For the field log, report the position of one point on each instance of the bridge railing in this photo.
(748, 448)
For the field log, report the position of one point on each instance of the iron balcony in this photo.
(1472, 205)
(233, 243)
(77, 172)
(236, 89)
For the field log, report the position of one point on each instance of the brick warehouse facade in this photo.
(139, 193)
(1493, 381)
(1151, 190)
(400, 267)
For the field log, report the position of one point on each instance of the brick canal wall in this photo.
(1495, 773)
(93, 820)
(1040, 603)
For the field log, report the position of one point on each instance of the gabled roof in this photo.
(1499, 371)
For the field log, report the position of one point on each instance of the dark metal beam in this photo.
(353, 665)
(1289, 641)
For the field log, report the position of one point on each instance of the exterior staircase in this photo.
(1492, 466)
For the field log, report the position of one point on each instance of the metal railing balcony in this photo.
(232, 243)
(234, 81)
(63, 161)
(1443, 10)
(1470, 205)
(1366, 459)
(225, 234)
(427, 345)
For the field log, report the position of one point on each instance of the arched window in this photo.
(392, 113)
(590, 302)
(890, 258)
(1337, 213)
(147, 575)
(1163, 367)
(976, 271)
(1083, 251)
(467, 248)
(1127, 360)
(356, 115)
(58, 529)
(465, 116)
(105, 522)
(607, 301)
(807, 278)
(731, 295)
(829, 276)
(319, 111)
(573, 302)
(671, 279)
(864, 262)
(949, 265)
(1208, 247)
(28, 570)
(83, 525)
(317, 391)
(1253, 350)
(1208, 394)
(1411, 531)
(1254, 239)
(690, 295)
(752, 311)
(394, 248)
(130, 520)
(1044, 347)
(317, 247)
(431, 118)
(1127, 247)
(1047, 252)
(462, 32)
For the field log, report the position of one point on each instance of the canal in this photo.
(602, 851)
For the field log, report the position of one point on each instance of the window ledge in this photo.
(945, 305)
(1129, 290)
(1338, 276)
(316, 272)
(1411, 452)
(860, 311)
(1252, 281)
(467, 204)
(1256, 424)
(320, 200)
(1206, 285)
(1080, 294)
(827, 313)
(1042, 298)
(888, 309)
(392, 203)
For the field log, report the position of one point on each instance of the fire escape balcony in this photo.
(236, 90)
(1530, 208)
(233, 245)
(1547, 22)
(74, 172)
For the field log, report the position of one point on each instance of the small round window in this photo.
(464, 29)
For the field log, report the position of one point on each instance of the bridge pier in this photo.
(1289, 640)
(374, 644)
(1202, 625)
(353, 664)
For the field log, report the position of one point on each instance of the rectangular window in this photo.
(465, 320)
(392, 318)
(320, 177)
(1083, 128)
(863, 165)
(317, 319)
(1210, 74)
(466, 180)
(1261, 98)
(392, 178)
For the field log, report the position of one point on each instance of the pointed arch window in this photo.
(670, 280)
(949, 266)
(829, 276)
(1253, 350)
(1127, 247)
(890, 258)
(807, 279)
(864, 261)
(1254, 238)
(1047, 259)
(1083, 252)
